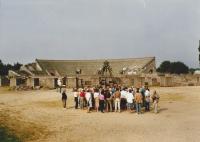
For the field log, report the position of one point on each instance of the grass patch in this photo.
(14, 127)
(6, 136)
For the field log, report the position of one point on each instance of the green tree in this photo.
(17, 66)
(178, 68)
(4, 68)
(173, 68)
(164, 67)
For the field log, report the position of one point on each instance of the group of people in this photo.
(116, 98)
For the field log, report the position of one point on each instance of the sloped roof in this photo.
(32, 69)
(91, 67)
(18, 73)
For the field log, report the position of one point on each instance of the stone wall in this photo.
(13, 82)
(71, 82)
(47, 82)
(30, 82)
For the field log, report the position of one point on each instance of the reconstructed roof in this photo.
(18, 73)
(91, 67)
(31, 68)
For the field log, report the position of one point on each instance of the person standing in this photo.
(82, 98)
(88, 97)
(101, 101)
(142, 91)
(59, 85)
(64, 98)
(123, 98)
(76, 95)
(113, 89)
(108, 100)
(155, 97)
(129, 98)
(117, 98)
(147, 100)
(96, 99)
(138, 101)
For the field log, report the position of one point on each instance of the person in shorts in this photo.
(129, 98)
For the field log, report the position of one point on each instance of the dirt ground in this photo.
(39, 116)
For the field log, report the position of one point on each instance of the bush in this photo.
(173, 68)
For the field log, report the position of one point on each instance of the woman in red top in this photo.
(82, 98)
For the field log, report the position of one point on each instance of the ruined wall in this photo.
(186, 80)
(13, 82)
(166, 81)
(47, 82)
(71, 82)
(30, 82)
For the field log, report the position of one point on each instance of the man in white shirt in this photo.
(147, 100)
(123, 98)
(129, 98)
(59, 83)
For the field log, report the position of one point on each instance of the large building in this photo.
(80, 73)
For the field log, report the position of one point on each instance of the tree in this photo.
(4, 68)
(164, 67)
(178, 68)
(173, 68)
(17, 66)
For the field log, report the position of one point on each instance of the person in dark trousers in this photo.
(142, 91)
(64, 98)
(76, 95)
(101, 101)
(108, 100)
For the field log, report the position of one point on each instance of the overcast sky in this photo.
(91, 29)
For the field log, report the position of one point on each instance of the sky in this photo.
(99, 29)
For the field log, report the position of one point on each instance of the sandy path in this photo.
(40, 113)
